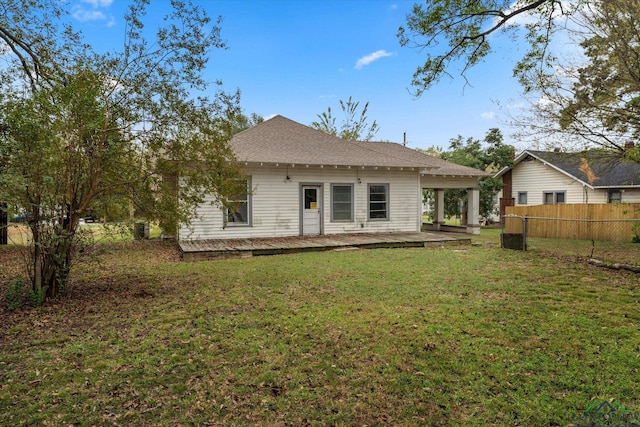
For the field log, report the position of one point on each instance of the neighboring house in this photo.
(305, 182)
(550, 177)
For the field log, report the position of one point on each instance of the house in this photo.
(550, 177)
(305, 182)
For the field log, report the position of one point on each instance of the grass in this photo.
(465, 336)
(19, 234)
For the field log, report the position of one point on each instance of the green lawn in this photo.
(463, 336)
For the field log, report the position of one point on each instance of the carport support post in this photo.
(438, 214)
(473, 211)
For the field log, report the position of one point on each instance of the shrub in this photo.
(14, 293)
(36, 298)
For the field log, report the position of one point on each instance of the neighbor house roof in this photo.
(282, 141)
(593, 168)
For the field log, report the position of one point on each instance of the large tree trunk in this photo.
(4, 224)
(56, 266)
(36, 235)
(52, 253)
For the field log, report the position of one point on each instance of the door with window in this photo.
(311, 209)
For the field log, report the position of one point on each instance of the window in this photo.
(378, 201)
(341, 202)
(522, 197)
(547, 198)
(614, 196)
(239, 212)
(553, 197)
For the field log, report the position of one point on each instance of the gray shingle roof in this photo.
(608, 168)
(281, 140)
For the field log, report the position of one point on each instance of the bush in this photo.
(36, 298)
(14, 293)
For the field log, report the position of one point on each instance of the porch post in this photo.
(438, 214)
(473, 211)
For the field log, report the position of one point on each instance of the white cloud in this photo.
(84, 15)
(98, 3)
(93, 10)
(489, 115)
(368, 59)
(544, 102)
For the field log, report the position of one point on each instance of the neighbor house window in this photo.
(341, 202)
(378, 201)
(614, 196)
(239, 211)
(553, 197)
(522, 197)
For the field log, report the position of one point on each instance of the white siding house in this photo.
(305, 182)
(541, 177)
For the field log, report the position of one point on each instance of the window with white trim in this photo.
(239, 211)
(378, 202)
(342, 202)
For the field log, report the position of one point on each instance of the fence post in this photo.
(524, 233)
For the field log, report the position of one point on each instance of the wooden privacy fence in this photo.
(616, 222)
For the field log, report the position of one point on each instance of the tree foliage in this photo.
(607, 88)
(355, 126)
(574, 100)
(491, 156)
(242, 122)
(465, 28)
(593, 98)
(85, 129)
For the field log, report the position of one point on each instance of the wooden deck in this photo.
(196, 250)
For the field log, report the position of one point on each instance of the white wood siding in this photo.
(275, 203)
(535, 178)
(631, 195)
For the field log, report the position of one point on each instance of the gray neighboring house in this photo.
(551, 177)
(305, 182)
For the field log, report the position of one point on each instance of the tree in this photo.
(594, 98)
(354, 127)
(585, 101)
(605, 101)
(242, 122)
(466, 26)
(490, 157)
(84, 129)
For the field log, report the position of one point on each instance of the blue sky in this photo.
(296, 58)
